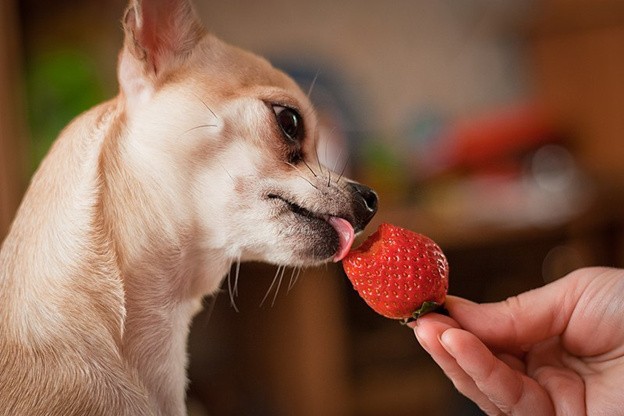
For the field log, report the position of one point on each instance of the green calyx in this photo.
(424, 309)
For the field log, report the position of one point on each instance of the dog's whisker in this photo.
(209, 308)
(338, 160)
(329, 134)
(313, 83)
(231, 291)
(294, 276)
(311, 170)
(209, 109)
(206, 105)
(279, 268)
(329, 171)
(238, 264)
(310, 112)
(226, 171)
(201, 126)
(290, 281)
(309, 181)
(316, 137)
(279, 284)
(318, 158)
(301, 175)
(344, 167)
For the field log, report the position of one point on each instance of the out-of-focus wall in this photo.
(401, 56)
(578, 57)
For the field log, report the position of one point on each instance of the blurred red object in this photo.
(495, 139)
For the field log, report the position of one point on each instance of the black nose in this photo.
(365, 205)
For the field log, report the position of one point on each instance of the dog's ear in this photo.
(159, 35)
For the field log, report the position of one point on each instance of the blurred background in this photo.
(494, 127)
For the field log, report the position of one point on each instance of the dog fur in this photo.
(141, 207)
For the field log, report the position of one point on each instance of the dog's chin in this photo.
(314, 240)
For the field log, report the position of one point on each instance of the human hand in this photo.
(556, 350)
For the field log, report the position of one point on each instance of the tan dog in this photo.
(207, 156)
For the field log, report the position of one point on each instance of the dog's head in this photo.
(229, 142)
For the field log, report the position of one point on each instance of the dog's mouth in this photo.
(343, 228)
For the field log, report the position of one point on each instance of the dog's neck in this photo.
(163, 274)
(135, 276)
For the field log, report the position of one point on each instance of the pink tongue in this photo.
(345, 234)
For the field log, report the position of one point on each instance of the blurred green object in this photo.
(383, 168)
(60, 84)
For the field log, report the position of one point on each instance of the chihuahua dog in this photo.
(206, 156)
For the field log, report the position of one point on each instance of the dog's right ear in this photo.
(159, 35)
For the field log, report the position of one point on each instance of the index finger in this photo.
(585, 305)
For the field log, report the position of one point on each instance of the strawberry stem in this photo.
(424, 309)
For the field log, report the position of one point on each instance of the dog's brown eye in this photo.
(289, 121)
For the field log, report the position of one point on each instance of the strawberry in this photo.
(399, 273)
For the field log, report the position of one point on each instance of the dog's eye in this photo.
(289, 121)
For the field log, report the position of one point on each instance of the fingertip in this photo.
(425, 329)
(444, 340)
(424, 318)
(447, 340)
(429, 327)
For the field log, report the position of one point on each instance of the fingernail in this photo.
(443, 338)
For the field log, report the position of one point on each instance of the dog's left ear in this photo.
(159, 35)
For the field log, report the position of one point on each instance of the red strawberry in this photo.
(399, 273)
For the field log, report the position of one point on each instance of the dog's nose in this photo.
(365, 205)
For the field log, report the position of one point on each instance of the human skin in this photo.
(555, 350)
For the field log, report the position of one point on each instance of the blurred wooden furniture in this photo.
(578, 62)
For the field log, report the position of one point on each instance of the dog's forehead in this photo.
(231, 70)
